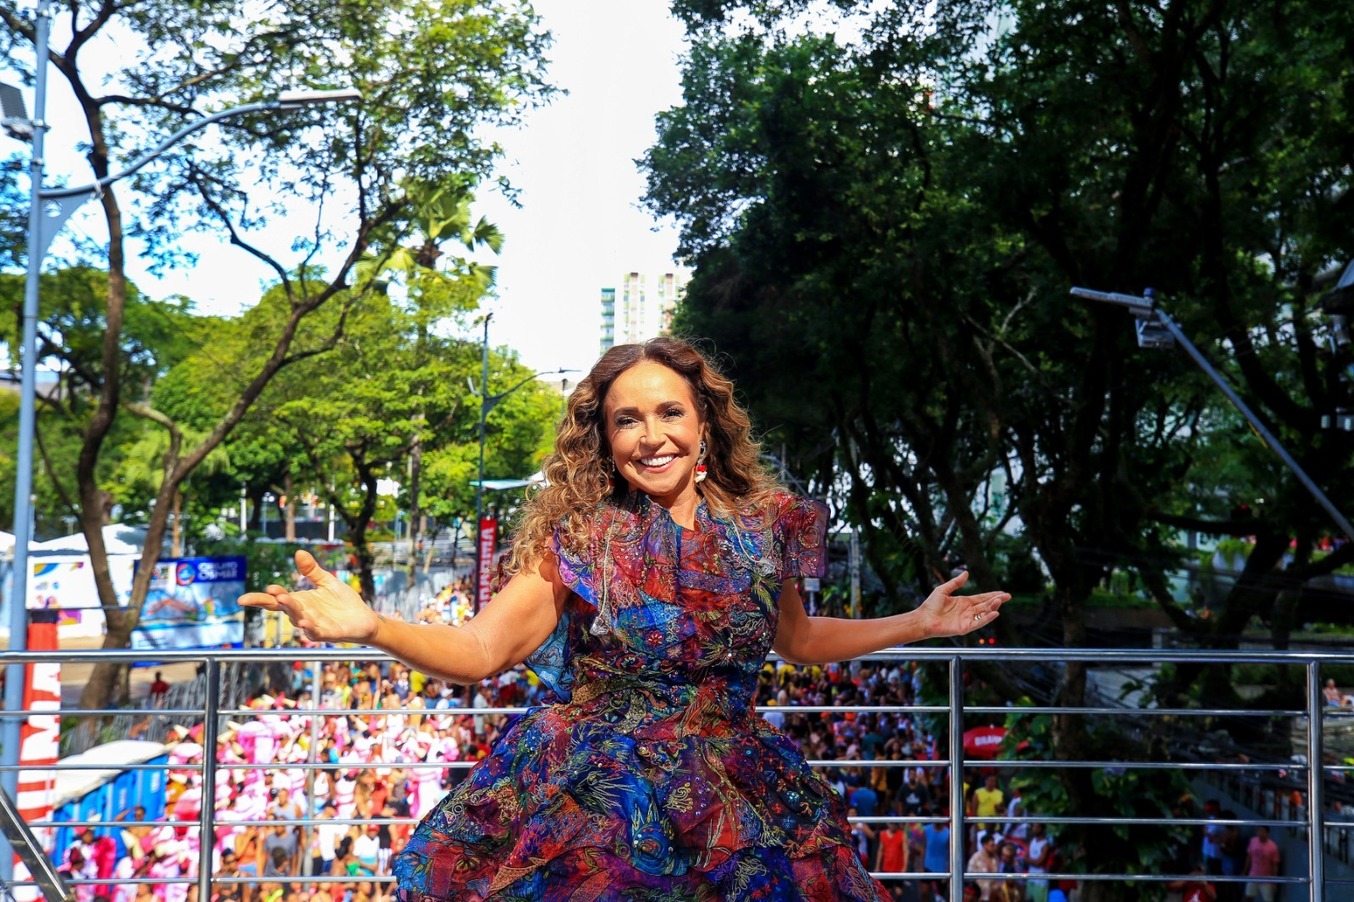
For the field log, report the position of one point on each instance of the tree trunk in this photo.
(430, 545)
(357, 527)
(289, 509)
(255, 509)
(415, 514)
(365, 564)
(176, 536)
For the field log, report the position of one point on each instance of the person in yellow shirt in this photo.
(987, 802)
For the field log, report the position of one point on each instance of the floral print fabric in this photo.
(650, 775)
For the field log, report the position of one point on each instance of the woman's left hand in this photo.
(948, 614)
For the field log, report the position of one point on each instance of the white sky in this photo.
(579, 226)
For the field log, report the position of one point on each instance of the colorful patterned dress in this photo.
(650, 776)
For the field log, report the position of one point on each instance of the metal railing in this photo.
(1287, 780)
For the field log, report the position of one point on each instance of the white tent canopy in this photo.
(73, 784)
(117, 539)
(535, 480)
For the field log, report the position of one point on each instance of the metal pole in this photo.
(1258, 426)
(207, 814)
(957, 826)
(854, 548)
(23, 478)
(1145, 308)
(479, 484)
(312, 757)
(1316, 778)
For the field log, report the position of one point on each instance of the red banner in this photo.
(488, 547)
(983, 742)
(39, 742)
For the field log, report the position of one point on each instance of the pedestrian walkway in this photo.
(75, 676)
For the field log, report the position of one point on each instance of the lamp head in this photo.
(1338, 304)
(292, 100)
(14, 114)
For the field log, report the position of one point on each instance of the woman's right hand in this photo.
(330, 612)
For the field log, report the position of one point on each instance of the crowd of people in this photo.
(378, 770)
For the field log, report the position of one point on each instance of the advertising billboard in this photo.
(192, 604)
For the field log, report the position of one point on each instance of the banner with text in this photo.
(39, 744)
(192, 603)
(487, 548)
(62, 582)
(65, 583)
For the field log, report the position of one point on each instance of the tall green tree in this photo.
(885, 216)
(438, 285)
(70, 334)
(13, 214)
(432, 72)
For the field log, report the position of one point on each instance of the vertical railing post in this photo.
(956, 738)
(312, 756)
(207, 816)
(1316, 779)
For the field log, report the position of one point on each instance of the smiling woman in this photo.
(646, 599)
(656, 436)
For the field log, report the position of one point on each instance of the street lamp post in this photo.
(42, 228)
(487, 403)
(479, 480)
(1157, 330)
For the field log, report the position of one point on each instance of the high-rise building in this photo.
(639, 309)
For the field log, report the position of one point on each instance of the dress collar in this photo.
(639, 509)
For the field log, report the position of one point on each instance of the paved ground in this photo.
(74, 676)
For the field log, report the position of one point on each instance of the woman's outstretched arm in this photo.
(802, 639)
(502, 634)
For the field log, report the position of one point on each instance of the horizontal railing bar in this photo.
(854, 763)
(875, 819)
(787, 710)
(1172, 712)
(223, 824)
(1103, 765)
(1054, 819)
(896, 875)
(1105, 656)
(1306, 726)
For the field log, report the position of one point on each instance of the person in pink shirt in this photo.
(344, 790)
(1262, 860)
(425, 788)
(188, 806)
(79, 866)
(100, 852)
(248, 735)
(124, 871)
(164, 864)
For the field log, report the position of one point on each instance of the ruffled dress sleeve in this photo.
(551, 661)
(800, 536)
(578, 570)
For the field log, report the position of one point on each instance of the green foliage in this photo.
(1119, 792)
(266, 563)
(885, 219)
(432, 73)
(896, 217)
(13, 215)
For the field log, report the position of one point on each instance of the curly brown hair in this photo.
(579, 472)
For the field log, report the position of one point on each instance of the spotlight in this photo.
(1338, 304)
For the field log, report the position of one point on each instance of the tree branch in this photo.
(196, 177)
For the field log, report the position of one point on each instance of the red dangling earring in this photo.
(701, 469)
